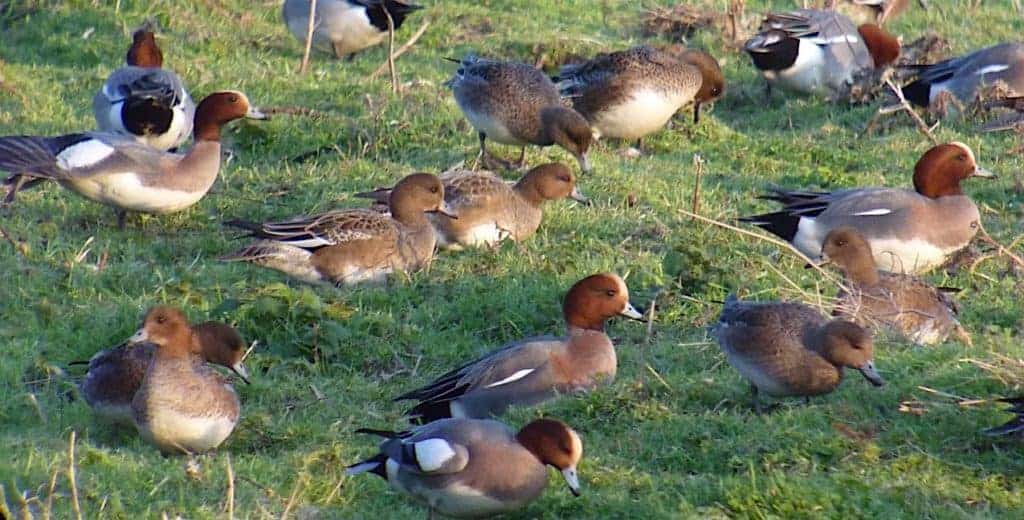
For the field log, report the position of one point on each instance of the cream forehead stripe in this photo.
(577, 444)
(965, 148)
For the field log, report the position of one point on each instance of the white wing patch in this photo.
(991, 69)
(843, 38)
(432, 454)
(873, 212)
(514, 377)
(84, 154)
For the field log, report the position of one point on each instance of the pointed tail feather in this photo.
(380, 195)
(780, 223)
(376, 465)
(28, 155)
(291, 260)
(427, 412)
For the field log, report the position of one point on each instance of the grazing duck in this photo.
(182, 405)
(1016, 425)
(909, 231)
(533, 370)
(869, 11)
(903, 303)
(472, 468)
(345, 27)
(818, 52)
(143, 100)
(119, 171)
(490, 210)
(514, 103)
(633, 93)
(115, 374)
(351, 246)
(964, 77)
(789, 349)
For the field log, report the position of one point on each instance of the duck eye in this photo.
(610, 292)
(161, 319)
(974, 225)
(840, 243)
(961, 157)
(433, 189)
(233, 99)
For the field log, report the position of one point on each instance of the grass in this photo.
(673, 437)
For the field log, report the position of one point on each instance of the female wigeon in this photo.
(964, 76)
(909, 231)
(903, 303)
(351, 246)
(119, 171)
(870, 11)
(490, 210)
(533, 370)
(115, 374)
(472, 468)
(789, 349)
(182, 405)
(143, 100)
(515, 103)
(818, 52)
(345, 27)
(1014, 426)
(633, 93)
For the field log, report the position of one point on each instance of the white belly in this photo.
(644, 113)
(171, 430)
(913, 256)
(123, 190)
(492, 127)
(807, 74)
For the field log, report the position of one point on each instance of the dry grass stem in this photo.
(71, 476)
(905, 106)
(304, 65)
(230, 505)
(698, 167)
(401, 50)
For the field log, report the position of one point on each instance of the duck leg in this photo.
(754, 397)
(121, 216)
(489, 161)
(696, 112)
(768, 91)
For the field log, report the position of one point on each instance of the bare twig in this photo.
(291, 499)
(391, 48)
(20, 247)
(309, 37)
(906, 107)
(5, 511)
(650, 333)
(48, 507)
(985, 237)
(230, 506)
(71, 476)
(402, 50)
(698, 166)
(249, 350)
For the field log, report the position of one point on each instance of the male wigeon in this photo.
(869, 11)
(182, 405)
(490, 210)
(517, 104)
(789, 349)
(818, 52)
(119, 171)
(473, 468)
(633, 93)
(533, 370)
(964, 76)
(909, 231)
(115, 374)
(903, 303)
(351, 246)
(1014, 426)
(143, 100)
(345, 27)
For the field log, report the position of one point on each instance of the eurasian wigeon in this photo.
(345, 27)
(818, 51)
(909, 231)
(533, 370)
(517, 104)
(963, 77)
(903, 303)
(183, 405)
(789, 349)
(122, 173)
(491, 210)
(143, 100)
(115, 374)
(351, 246)
(473, 468)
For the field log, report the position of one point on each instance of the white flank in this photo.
(908, 256)
(645, 112)
(126, 191)
(485, 235)
(169, 428)
(844, 38)
(514, 377)
(991, 69)
(809, 237)
(808, 72)
(433, 454)
(83, 154)
(346, 25)
(493, 128)
(873, 212)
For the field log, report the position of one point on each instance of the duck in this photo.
(514, 103)
(788, 349)
(345, 27)
(182, 406)
(633, 93)
(144, 101)
(475, 468)
(815, 51)
(869, 11)
(963, 77)
(352, 246)
(115, 374)
(121, 172)
(902, 303)
(489, 209)
(910, 231)
(1015, 426)
(533, 370)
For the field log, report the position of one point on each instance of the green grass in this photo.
(681, 443)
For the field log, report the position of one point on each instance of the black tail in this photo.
(34, 156)
(398, 11)
(76, 363)
(387, 434)
(429, 411)
(780, 223)
(1015, 425)
(376, 465)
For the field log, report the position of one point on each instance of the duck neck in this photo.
(527, 190)
(862, 272)
(182, 346)
(412, 217)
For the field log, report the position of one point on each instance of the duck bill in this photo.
(869, 373)
(446, 210)
(256, 113)
(584, 163)
(239, 369)
(140, 336)
(578, 196)
(572, 479)
(632, 313)
(983, 173)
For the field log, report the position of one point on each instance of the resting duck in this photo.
(964, 76)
